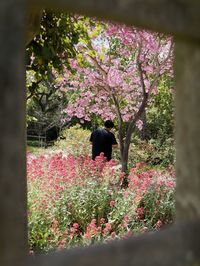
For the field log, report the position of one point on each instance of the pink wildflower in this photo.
(61, 244)
(72, 231)
(140, 213)
(113, 235)
(102, 221)
(112, 203)
(75, 226)
(159, 224)
(126, 218)
(107, 228)
(93, 221)
(31, 252)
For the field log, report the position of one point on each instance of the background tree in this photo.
(114, 75)
(160, 114)
(48, 52)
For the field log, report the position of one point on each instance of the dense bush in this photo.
(76, 201)
(152, 152)
(161, 152)
(74, 141)
(160, 113)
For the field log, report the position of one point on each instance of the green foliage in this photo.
(54, 44)
(161, 153)
(160, 114)
(47, 55)
(153, 152)
(74, 141)
(138, 152)
(45, 102)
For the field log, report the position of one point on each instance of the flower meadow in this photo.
(74, 201)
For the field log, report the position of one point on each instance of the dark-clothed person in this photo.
(103, 140)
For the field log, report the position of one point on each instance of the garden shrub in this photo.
(161, 153)
(153, 152)
(74, 141)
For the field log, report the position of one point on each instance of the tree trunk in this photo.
(124, 151)
(143, 133)
(124, 158)
(121, 145)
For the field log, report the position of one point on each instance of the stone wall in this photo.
(13, 231)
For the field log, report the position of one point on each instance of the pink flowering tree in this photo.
(114, 75)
